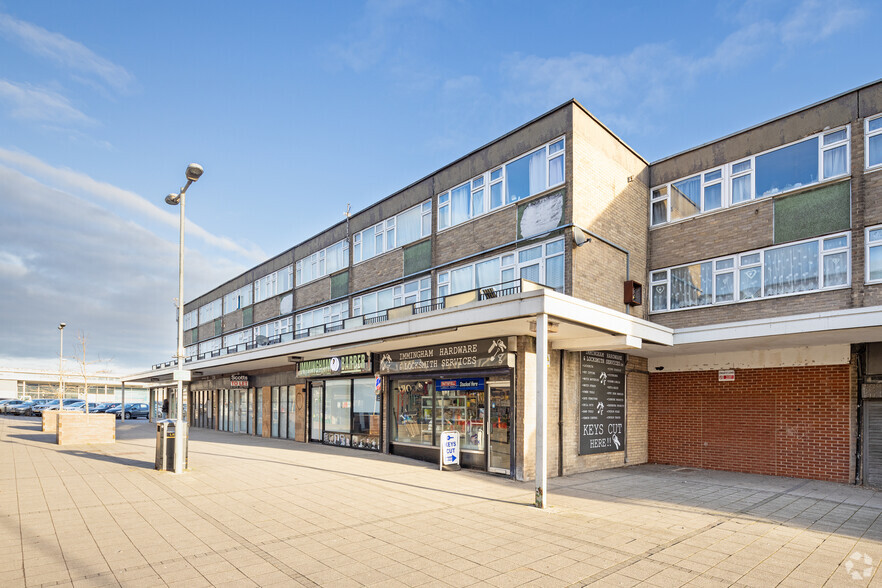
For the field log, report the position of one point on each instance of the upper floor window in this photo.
(266, 331)
(873, 148)
(321, 316)
(324, 262)
(408, 293)
(210, 311)
(816, 264)
(191, 319)
(274, 283)
(874, 254)
(238, 299)
(820, 157)
(210, 345)
(191, 350)
(409, 226)
(542, 263)
(239, 337)
(518, 179)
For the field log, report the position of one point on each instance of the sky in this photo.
(297, 110)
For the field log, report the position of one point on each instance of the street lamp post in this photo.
(61, 365)
(194, 172)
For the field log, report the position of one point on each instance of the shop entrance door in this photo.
(499, 428)
(316, 409)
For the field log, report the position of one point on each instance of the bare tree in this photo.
(84, 366)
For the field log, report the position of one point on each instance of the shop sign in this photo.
(238, 381)
(602, 402)
(357, 363)
(726, 375)
(450, 450)
(484, 353)
(459, 384)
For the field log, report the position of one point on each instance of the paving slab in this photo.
(263, 512)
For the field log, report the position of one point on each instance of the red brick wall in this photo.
(778, 421)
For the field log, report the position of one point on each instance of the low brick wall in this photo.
(50, 420)
(76, 428)
(791, 421)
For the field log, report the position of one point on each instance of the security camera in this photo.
(194, 172)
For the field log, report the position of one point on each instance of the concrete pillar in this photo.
(541, 409)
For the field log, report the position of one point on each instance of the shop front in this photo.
(345, 401)
(462, 387)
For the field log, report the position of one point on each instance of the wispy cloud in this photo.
(653, 75)
(83, 184)
(32, 103)
(75, 57)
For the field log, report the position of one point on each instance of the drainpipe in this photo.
(541, 409)
(560, 419)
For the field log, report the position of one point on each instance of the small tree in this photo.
(84, 366)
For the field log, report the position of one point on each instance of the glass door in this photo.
(499, 428)
(316, 407)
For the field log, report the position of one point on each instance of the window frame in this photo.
(212, 310)
(487, 182)
(868, 134)
(399, 295)
(328, 311)
(390, 226)
(662, 192)
(867, 246)
(237, 295)
(318, 263)
(742, 262)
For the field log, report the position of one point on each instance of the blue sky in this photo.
(298, 109)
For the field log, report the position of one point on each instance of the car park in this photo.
(133, 410)
(8, 403)
(102, 407)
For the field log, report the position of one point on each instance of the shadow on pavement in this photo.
(126, 461)
(41, 437)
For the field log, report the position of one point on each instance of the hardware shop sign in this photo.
(357, 363)
(602, 402)
(484, 353)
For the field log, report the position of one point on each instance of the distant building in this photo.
(717, 308)
(33, 384)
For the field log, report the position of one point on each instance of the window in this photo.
(805, 266)
(820, 157)
(238, 299)
(409, 293)
(409, 226)
(321, 316)
(874, 254)
(543, 263)
(210, 311)
(191, 350)
(267, 331)
(238, 338)
(274, 283)
(324, 262)
(191, 319)
(518, 179)
(873, 148)
(210, 345)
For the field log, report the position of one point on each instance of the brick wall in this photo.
(791, 421)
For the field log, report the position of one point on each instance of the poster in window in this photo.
(601, 402)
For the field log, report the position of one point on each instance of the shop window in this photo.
(338, 406)
(365, 414)
(412, 402)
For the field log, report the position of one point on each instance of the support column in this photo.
(541, 409)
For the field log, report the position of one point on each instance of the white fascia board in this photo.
(834, 320)
(600, 317)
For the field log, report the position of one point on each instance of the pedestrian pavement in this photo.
(268, 512)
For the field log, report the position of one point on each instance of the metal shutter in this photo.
(873, 443)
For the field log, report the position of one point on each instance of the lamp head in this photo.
(173, 199)
(194, 172)
(61, 326)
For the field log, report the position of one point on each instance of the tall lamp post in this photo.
(194, 172)
(61, 365)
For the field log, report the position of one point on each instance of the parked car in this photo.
(9, 402)
(102, 407)
(52, 404)
(79, 406)
(23, 409)
(133, 410)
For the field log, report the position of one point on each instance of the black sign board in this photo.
(602, 402)
(481, 354)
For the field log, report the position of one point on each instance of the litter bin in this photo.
(165, 444)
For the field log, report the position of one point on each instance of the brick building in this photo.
(760, 256)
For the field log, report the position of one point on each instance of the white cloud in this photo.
(32, 103)
(84, 185)
(812, 21)
(71, 55)
(66, 259)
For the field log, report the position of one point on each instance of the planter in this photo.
(77, 428)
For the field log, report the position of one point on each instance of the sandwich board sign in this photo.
(450, 450)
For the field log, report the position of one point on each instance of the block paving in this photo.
(265, 512)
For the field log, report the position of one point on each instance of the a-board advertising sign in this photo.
(450, 450)
(602, 402)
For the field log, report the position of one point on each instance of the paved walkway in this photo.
(268, 512)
